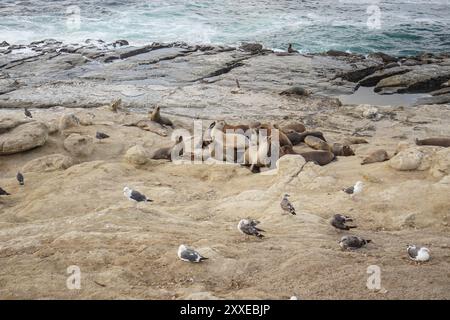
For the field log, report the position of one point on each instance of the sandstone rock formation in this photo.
(49, 163)
(79, 145)
(23, 137)
(137, 155)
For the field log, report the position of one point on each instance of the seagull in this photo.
(418, 254)
(189, 255)
(352, 242)
(286, 205)
(27, 113)
(20, 178)
(134, 195)
(100, 135)
(248, 227)
(4, 193)
(354, 190)
(339, 222)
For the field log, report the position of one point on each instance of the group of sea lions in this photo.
(234, 143)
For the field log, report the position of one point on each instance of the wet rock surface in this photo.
(50, 73)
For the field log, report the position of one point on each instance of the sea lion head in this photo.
(287, 149)
(220, 124)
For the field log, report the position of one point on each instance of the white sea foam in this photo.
(312, 25)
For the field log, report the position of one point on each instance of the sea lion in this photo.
(257, 156)
(166, 153)
(440, 142)
(318, 157)
(228, 154)
(284, 150)
(376, 156)
(156, 117)
(283, 138)
(293, 126)
(295, 91)
(297, 138)
(340, 149)
(317, 143)
(228, 140)
(354, 140)
(152, 126)
(255, 152)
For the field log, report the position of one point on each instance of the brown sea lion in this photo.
(440, 142)
(340, 149)
(166, 153)
(376, 156)
(283, 138)
(152, 126)
(156, 117)
(229, 139)
(262, 156)
(354, 140)
(296, 91)
(317, 143)
(293, 126)
(286, 150)
(297, 138)
(318, 157)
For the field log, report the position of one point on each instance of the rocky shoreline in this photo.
(71, 210)
(49, 73)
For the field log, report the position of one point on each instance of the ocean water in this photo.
(362, 26)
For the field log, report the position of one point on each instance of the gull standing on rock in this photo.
(352, 242)
(354, 190)
(134, 195)
(20, 178)
(248, 227)
(100, 136)
(286, 205)
(4, 193)
(339, 222)
(27, 113)
(189, 255)
(418, 254)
